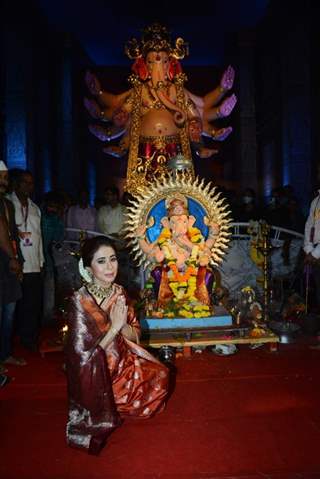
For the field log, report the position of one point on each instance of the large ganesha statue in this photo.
(180, 230)
(158, 118)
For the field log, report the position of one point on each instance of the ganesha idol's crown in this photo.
(156, 38)
(177, 205)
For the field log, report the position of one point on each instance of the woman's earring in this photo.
(84, 272)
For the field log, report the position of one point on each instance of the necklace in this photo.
(100, 292)
(154, 101)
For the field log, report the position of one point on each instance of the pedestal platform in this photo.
(186, 333)
(221, 318)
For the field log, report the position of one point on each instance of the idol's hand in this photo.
(141, 231)
(120, 117)
(227, 79)
(204, 259)
(93, 84)
(115, 151)
(93, 108)
(104, 134)
(118, 313)
(206, 152)
(214, 228)
(227, 106)
(221, 134)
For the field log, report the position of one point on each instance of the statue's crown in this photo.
(177, 205)
(156, 37)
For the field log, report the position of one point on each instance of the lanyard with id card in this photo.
(26, 236)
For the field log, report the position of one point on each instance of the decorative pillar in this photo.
(296, 110)
(15, 100)
(65, 168)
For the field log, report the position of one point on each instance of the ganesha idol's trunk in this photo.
(157, 76)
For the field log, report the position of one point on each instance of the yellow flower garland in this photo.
(184, 285)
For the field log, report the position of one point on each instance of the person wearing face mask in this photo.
(248, 210)
(276, 213)
(272, 201)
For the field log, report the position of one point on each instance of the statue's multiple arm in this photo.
(151, 250)
(211, 109)
(106, 104)
(212, 236)
(115, 110)
(215, 96)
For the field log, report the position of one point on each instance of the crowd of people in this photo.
(280, 209)
(34, 229)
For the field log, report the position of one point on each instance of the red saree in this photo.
(102, 385)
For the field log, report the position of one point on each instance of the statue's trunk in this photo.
(158, 75)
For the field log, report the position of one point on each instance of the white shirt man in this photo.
(312, 230)
(110, 217)
(28, 219)
(81, 216)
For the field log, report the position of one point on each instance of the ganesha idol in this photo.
(180, 230)
(158, 118)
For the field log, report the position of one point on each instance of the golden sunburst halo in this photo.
(216, 209)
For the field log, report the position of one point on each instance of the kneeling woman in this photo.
(109, 374)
